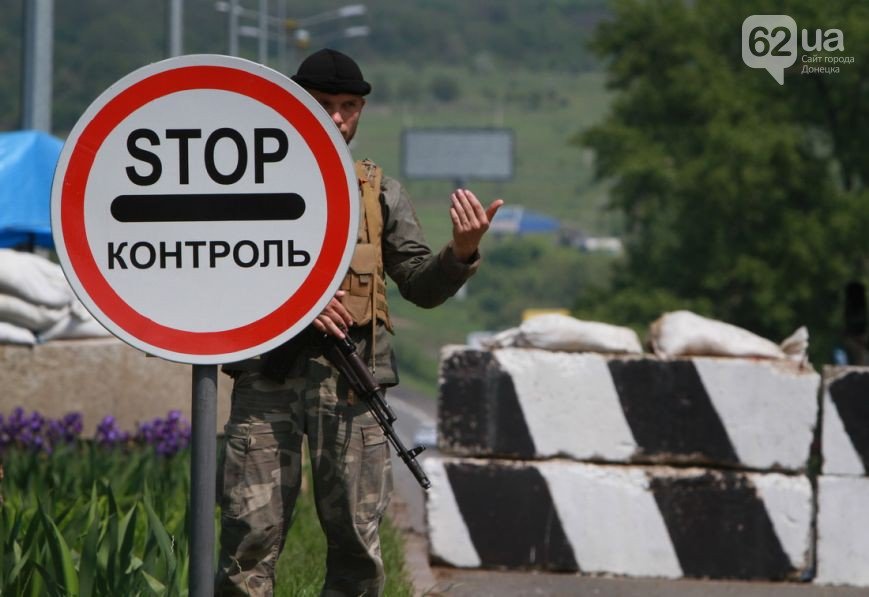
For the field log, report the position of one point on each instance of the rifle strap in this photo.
(370, 177)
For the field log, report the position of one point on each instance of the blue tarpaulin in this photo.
(27, 161)
(515, 219)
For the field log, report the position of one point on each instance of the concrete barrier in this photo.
(98, 377)
(578, 462)
(630, 520)
(843, 488)
(532, 404)
(845, 433)
(843, 530)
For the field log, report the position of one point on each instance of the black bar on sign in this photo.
(208, 208)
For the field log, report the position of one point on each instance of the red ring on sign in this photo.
(219, 78)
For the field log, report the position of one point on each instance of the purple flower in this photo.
(108, 434)
(65, 430)
(35, 432)
(32, 431)
(168, 436)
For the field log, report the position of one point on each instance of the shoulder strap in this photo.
(370, 176)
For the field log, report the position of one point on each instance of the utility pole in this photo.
(175, 27)
(233, 27)
(282, 36)
(263, 31)
(37, 68)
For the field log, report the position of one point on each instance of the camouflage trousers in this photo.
(261, 478)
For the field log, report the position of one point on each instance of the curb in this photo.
(415, 549)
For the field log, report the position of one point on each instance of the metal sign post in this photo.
(205, 210)
(203, 479)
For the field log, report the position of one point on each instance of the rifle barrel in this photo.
(342, 353)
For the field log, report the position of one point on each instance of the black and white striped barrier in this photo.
(628, 520)
(532, 404)
(843, 530)
(845, 432)
(843, 487)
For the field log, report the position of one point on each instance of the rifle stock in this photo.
(341, 352)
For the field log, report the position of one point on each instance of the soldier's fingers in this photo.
(334, 317)
(468, 208)
(339, 306)
(338, 313)
(328, 326)
(479, 212)
(460, 211)
(493, 208)
(454, 216)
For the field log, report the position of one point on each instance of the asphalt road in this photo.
(416, 424)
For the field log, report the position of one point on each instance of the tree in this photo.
(444, 88)
(742, 199)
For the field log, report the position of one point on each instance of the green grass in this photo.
(301, 569)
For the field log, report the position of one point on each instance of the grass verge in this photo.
(301, 567)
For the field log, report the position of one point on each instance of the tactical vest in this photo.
(364, 285)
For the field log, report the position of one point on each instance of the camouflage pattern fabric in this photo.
(262, 476)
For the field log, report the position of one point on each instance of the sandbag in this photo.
(683, 333)
(34, 279)
(78, 323)
(13, 334)
(553, 331)
(36, 318)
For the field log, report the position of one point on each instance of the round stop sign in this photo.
(205, 209)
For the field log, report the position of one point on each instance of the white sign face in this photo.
(205, 209)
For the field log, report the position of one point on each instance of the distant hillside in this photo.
(534, 34)
(98, 41)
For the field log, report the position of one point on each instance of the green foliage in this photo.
(90, 521)
(739, 196)
(529, 272)
(445, 89)
(82, 521)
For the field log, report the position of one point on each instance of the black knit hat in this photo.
(332, 72)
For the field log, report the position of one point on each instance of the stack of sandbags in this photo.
(37, 303)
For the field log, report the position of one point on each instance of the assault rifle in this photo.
(341, 352)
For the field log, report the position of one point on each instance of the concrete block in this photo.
(845, 432)
(533, 404)
(843, 530)
(98, 377)
(652, 521)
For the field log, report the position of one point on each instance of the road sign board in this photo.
(205, 209)
(457, 153)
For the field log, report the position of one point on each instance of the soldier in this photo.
(293, 391)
